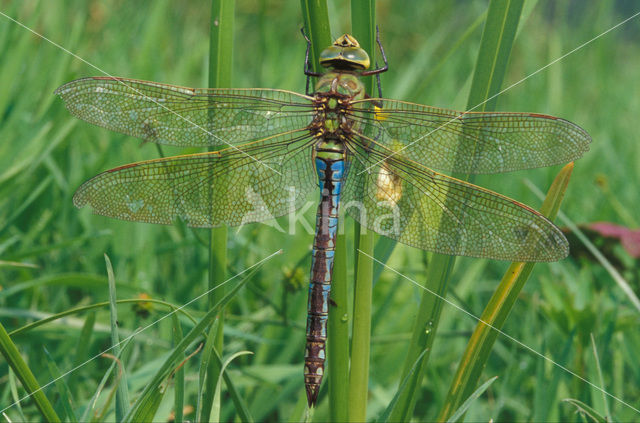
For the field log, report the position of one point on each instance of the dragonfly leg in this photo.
(379, 86)
(385, 68)
(307, 65)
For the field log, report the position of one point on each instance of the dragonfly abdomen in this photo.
(330, 170)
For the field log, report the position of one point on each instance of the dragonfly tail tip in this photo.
(312, 394)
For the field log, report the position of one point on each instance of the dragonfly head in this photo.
(345, 53)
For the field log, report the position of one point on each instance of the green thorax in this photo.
(343, 83)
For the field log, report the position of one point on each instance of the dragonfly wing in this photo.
(172, 115)
(476, 143)
(233, 186)
(419, 207)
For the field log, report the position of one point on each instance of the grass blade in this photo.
(220, 72)
(384, 417)
(474, 396)
(178, 400)
(363, 28)
(587, 412)
(496, 312)
(122, 393)
(92, 404)
(338, 337)
(10, 352)
(605, 400)
(543, 397)
(316, 26)
(82, 347)
(493, 56)
(63, 388)
(216, 409)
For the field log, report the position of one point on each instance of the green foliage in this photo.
(51, 254)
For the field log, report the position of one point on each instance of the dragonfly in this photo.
(374, 155)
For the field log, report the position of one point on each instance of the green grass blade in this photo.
(605, 400)
(474, 396)
(315, 16)
(361, 338)
(82, 348)
(178, 399)
(338, 336)
(13, 388)
(587, 412)
(215, 415)
(384, 417)
(244, 415)
(544, 397)
(76, 310)
(382, 251)
(92, 404)
(220, 75)
(10, 352)
(205, 378)
(493, 56)
(423, 332)
(496, 312)
(363, 28)
(122, 393)
(63, 388)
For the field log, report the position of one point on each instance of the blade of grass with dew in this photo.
(122, 393)
(62, 387)
(10, 352)
(220, 73)
(363, 28)
(497, 310)
(338, 336)
(146, 396)
(493, 56)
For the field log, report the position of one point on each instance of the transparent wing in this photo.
(172, 115)
(414, 205)
(476, 143)
(253, 183)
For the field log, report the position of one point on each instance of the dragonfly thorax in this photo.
(334, 92)
(341, 83)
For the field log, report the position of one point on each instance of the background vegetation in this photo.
(51, 254)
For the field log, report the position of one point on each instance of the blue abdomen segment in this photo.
(330, 176)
